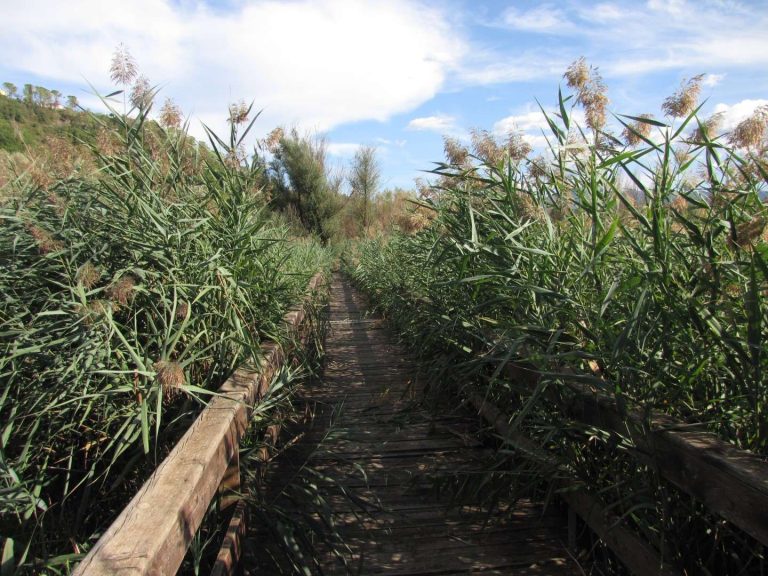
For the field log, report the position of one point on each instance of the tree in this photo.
(56, 95)
(301, 181)
(43, 96)
(364, 180)
(10, 89)
(29, 94)
(72, 102)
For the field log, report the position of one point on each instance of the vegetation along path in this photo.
(385, 468)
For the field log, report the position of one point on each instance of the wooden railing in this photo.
(152, 533)
(730, 482)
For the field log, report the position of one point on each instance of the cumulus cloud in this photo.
(733, 114)
(342, 149)
(530, 121)
(315, 63)
(440, 123)
(712, 79)
(532, 125)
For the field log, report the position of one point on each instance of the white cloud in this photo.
(712, 80)
(533, 120)
(497, 69)
(668, 6)
(440, 123)
(733, 114)
(315, 63)
(543, 18)
(660, 35)
(398, 143)
(605, 12)
(342, 149)
(533, 126)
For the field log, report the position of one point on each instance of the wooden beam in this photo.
(151, 535)
(730, 482)
(634, 552)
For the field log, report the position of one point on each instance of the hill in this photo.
(28, 125)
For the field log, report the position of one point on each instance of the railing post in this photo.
(229, 489)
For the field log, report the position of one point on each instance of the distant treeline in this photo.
(39, 95)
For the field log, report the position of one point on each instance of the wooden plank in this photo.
(151, 534)
(380, 475)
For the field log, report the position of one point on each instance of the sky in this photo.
(394, 74)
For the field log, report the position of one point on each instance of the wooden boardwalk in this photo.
(389, 457)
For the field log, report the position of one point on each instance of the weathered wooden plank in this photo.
(151, 534)
(381, 474)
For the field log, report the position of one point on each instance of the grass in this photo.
(641, 269)
(129, 295)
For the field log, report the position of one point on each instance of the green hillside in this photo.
(28, 125)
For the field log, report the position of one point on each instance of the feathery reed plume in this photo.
(747, 233)
(272, 141)
(683, 102)
(238, 113)
(537, 167)
(121, 291)
(45, 241)
(170, 375)
(484, 146)
(516, 146)
(708, 128)
(527, 209)
(456, 153)
(577, 74)
(182, 310)
(95, 310)
(635, 132)
(141, 93)
(591, 92)
(88, 275)
(679, 204)
(750, 132)
(170, 115)
(123, 69)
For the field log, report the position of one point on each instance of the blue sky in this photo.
(395, 74)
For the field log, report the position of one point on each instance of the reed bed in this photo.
(636, 266)
(128, 296)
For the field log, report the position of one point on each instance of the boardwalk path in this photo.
(389, 455)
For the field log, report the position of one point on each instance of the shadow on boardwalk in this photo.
(375, 473)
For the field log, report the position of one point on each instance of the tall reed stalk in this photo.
(128, 297)
(640, 270)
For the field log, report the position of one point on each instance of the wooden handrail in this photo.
(729, 481)
(634, 552)
(152, 533)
